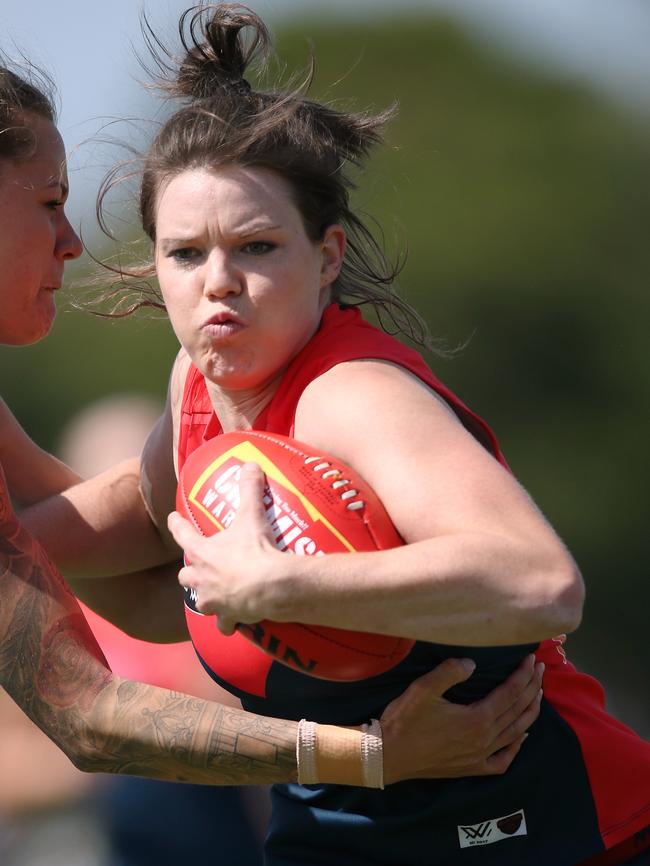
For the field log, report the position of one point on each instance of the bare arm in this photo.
(52, 667)
(147, 605)
(109, 724)
(101, 535)
(115, 522)
(32, 474)
(100, 526)
(481, 566)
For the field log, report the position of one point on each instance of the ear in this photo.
(332, 254)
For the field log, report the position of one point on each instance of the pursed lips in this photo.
(55, 283)
(223, 324)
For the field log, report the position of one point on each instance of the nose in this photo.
(68, 244)
(221, 276)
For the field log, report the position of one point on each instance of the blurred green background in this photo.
(524, 202)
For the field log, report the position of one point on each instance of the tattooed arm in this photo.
(52, 667)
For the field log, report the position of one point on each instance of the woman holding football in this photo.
(262, 264)
(105, 723)
(49, 661)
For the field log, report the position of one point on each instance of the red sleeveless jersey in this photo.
(581, 783)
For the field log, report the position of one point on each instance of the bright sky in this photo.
(87, 47)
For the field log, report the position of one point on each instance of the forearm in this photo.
(52, 667)
(141, 730)
(470, 589)
(99, 527)
(476, 588)
(147, 605)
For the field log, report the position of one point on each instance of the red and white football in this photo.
(315, 505)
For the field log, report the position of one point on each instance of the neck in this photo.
(237, 410)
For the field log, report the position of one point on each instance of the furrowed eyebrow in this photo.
(170, 243)
(253, 229)
(245, 232)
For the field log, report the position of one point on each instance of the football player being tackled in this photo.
(261, 264)
(314, 504)
(49, 661)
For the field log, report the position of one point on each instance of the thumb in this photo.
(182, 530)
(252, 482)
(448, 673)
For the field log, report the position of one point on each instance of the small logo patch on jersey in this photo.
(492, 830)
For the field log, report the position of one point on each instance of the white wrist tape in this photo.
(343, 756)
(306, 753)
(372, 755)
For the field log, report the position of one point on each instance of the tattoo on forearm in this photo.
(62, 677)
(52, 667)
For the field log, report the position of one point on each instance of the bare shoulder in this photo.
(408, 444)
(366, 401)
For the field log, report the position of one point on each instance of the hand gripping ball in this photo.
(315, 505)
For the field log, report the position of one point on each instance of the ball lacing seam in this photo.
(320, 465)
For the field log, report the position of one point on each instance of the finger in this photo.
(225, 625)
(252, 482)
(495, 764)
(528, 695)
(506, 695)
(448, 673)
(186, 577)
(500, 761)
(521, 724)
(185, 535)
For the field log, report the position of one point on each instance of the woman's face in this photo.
(36, 237)
(243, 284)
